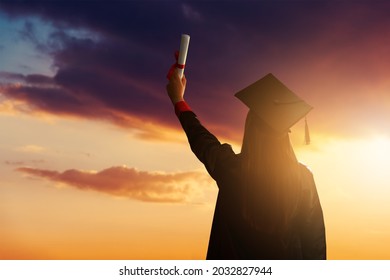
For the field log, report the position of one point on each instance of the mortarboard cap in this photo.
(274, 103)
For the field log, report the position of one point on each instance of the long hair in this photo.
(271, 177)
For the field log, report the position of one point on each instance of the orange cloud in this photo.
(121, 181)
(30, 149)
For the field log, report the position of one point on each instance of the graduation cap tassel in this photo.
(307, 135)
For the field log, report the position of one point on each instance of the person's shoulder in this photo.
(228, 155)
(307, 177)
(305, 169)
(308, 186)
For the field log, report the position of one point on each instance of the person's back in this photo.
(233, 237)
(267, 205)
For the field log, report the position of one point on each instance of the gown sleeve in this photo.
(215, 156)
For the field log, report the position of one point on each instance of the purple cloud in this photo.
(111, 58)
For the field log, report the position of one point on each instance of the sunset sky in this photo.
(93, 161)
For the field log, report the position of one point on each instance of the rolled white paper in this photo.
(185, 41)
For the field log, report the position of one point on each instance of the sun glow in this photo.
(353, 178)
(378, 151)
(373, 161)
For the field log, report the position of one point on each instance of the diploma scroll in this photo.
(181, 62)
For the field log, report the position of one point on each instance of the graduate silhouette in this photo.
(267, 205)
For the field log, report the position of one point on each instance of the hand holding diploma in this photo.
(176, 87)
(181, 56)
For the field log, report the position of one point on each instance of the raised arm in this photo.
(215, 156)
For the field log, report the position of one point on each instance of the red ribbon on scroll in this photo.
(175, 65)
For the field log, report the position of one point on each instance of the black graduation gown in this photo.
(231, 237)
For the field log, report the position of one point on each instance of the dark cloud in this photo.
(111, 58)
(8, 76)
(109, 78)
(145, 22)
(66, 103)
(38, 79)
(24, 163)
(128, 182)
(12, 162)
(33, 79)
